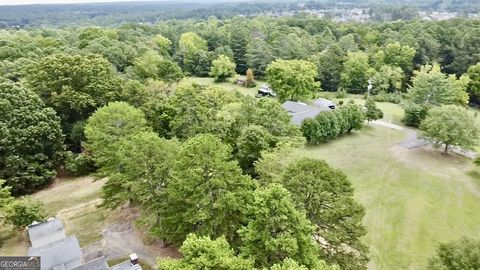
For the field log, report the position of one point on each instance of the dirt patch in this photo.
(121, 239)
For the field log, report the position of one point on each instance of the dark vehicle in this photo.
(265, 91)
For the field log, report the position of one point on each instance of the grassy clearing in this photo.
(415, 199)
(75, 201)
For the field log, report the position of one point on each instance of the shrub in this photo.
(22, 212)
(341, 93)
(414, 114)
(388, 97)
(79, 164)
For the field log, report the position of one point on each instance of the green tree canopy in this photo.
(356, 72)
(292, 79)
(474, 85)
(74, 85)
(140, 170)
(457, 255)
(207, 193)
(154, 66)
(451, 125)
(31, 139)
(326, 195)
(108, 126)
(23, 211)
(277, 231)
(205, 253)
(222, 68)
(431, 87)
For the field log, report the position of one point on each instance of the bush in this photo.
(414, 114)
(341, 93)
(250, 84)
(388, 97)
(329, 125)
(22, 212)
(79, 164)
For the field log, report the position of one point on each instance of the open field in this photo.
(415, 199)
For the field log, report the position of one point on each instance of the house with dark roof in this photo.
(60, 252)
(301, 111)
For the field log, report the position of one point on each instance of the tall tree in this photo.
(207, 193)
(292, 79)
(356, 72)
(152, 65)
(430, 87)
(108, 126)
(259, 55)
(239, 38)
(222, 68)
(326, 195)
(474, 86)
(277, 231)
(31, 139)
(451, 125)
(74, 85)
(140, 170)
(205, 253)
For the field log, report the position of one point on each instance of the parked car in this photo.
(265, 91)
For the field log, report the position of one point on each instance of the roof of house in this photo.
(301, 111)
(321, 102)
(41, 234)
(127, 265)
(58, 253)
(97, 264)
(296, 107)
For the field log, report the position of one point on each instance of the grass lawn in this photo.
(415, 199)
(75, 202)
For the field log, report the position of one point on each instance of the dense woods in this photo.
(202, 164)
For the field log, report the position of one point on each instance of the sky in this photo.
(29, 2)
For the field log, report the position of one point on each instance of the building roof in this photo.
(321, 102)
(55, 255)
(301, 111)
(127, 265)
(41, 234)
(296, 107)
(298, 118)
(97, 264)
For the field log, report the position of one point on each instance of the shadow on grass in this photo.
(475, 176)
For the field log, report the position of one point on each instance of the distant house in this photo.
(301, 111)
(60, 252)
(324, 103)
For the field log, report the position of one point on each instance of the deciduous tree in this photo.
(106, 128)
(205, 253)
(457, 255)
(222, 68)
(31, 139)
(326, 195)
(277, 231)
(207, 193)
(292, 79)
(451, 125)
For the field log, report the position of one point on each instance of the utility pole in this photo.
(370, 86)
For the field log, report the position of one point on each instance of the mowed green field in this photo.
(415, 199)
